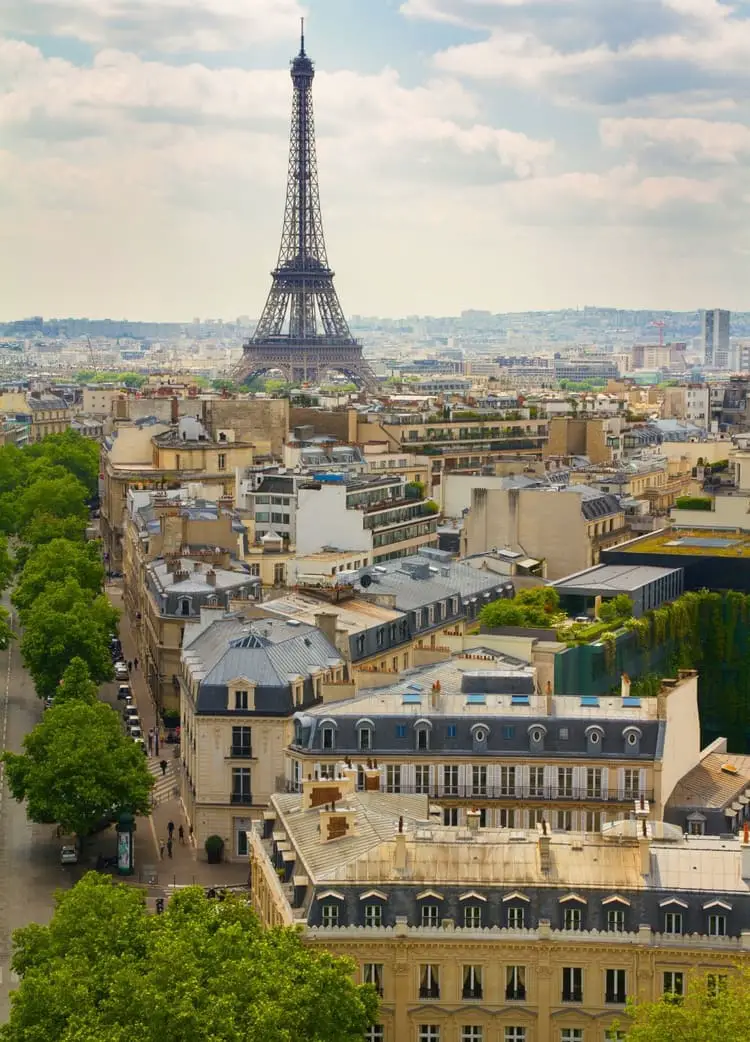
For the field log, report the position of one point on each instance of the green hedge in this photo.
(694, 503)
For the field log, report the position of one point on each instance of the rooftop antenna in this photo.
(302, 36)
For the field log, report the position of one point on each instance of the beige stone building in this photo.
(592, 437)
(50, 414)
(566, 528)
(241, 683)
(474, 736)
(490, 935)
(152, 455)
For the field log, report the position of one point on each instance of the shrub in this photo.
(214, 849)
(694, 503)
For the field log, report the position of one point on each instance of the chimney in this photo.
(399, 860)
(473, 818)
(372, 778)
(543, 845)
(336, 824)
(745, 851)
(625, 685)
(436, 815)
(349, 777)
(211, 577)
(174, 416)
(548, 698)
(326, 623)
(644, 848)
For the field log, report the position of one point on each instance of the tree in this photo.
(61, 497)
(104, 968)
(66, 622)
(54, 562)
(623, 606)
(78, 767)
(713, 1007)
(43, 528)
(76, 684)
(72, 452)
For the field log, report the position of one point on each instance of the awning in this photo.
(527, 562)
(729, 813)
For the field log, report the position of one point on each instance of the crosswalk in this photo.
(165, 785)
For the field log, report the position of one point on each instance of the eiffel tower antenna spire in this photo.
(302, 330)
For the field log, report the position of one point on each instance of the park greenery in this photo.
(204, 970)
(714, 1006)
(538, 608)
(77, 767)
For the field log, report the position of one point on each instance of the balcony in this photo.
(241, 799)
(615, 998)
(572, 995)
(429, 991)
(515, 993)
(240, 752)
(472, 992)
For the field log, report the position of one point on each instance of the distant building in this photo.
(715, 337)
(49, 413)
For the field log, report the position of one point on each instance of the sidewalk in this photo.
(187, 865)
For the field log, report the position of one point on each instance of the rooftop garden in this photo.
(728, 543)
(539, 608)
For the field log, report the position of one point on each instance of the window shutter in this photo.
(522, 780)
(440, 779)
(621, 783)
(605, 783)
(550, 782)
(408, 777)
(316, 770)
(642, 782)
(462, 786)
(579, 782)
(432, 778)
(525, 818)
(493, 778)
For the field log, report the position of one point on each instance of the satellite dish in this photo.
(365, 581)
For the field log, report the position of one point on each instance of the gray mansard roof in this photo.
(269, 653)
(501, 699)
(185, 582)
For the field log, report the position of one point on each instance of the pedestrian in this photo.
(135, 662)
(150, 745)
(130, 666)
(163, 764)
(169, 847)
(170, 829)
(191, 833)
(181, 834)
(161, 849)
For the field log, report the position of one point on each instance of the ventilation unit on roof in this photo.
(631, 701)
(410, 699)
(589, 700)
(476, 700)
(519, 700)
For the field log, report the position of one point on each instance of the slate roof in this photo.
(613, 578)
(423, 579)
(708, 786)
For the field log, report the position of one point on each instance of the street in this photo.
(30, 869)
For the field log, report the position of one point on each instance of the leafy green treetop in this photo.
(77, 767)
(57, 561)
(714, 1007)
(104, 968)
(76, 684)
(77, 455)
(61, 497)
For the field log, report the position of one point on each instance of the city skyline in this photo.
(511, 155)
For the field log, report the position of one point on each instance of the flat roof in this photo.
(352, 615)
(614, 578)
(699, 542)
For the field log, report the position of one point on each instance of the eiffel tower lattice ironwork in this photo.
(302, 330)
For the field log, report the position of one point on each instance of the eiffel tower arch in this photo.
(302, 330)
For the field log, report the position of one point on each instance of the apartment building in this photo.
(240, 684)
(153, 455)
(474, 735)
(566, 528)
(475, 934)
(382, 517)
(49, 414)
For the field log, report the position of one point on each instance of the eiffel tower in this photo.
(302, 330)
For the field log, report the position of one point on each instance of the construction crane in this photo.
(661, 324)
(95, 359)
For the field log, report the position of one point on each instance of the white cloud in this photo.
(719, 142)
(169, 25)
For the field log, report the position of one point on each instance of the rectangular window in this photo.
(450, 731)
(716, 983)
(674, 983)
(594, 783)
(262, 517)
(222, 461)
(509, 732)
(364, 738)
(401, 730)
(536, 781)
(429, 981)
(450, 780)
(632, 783)
(429, 1033)
(372, 973)
(564, 820)
(572, 918)
(593, 821)
(393, 778)
(514, 1035)
(571, 1034)
(422, 778)
(472, 1033)
(241, 785)
(376, 1033)
(615, 987)
(241, 741)
(717, 926)
(472, 988)
(673, 922)
(572, 987)
(240, 700)
(516, 917)
(564, 781)
(472, 917)
(614, 1035)
(373, 915)
(616, 920)
(515, 983)
(507, 818)
(328, 738)
(507, 781)
(329, 915)
(430, 915)
(478, 781)
(450, 816)
(423, 738)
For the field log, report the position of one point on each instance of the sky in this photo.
(500, 154)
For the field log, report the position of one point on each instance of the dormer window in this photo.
(594, 739)
(365, 734)
(632, 737)
(480, 734)
(537, 733)
(185, 606)
(422, 730)
(328, 741)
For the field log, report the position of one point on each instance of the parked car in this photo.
(135, 731)
(121, 671)
(49, 701)
(123, 691)
(130, 714)
(68, 855)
